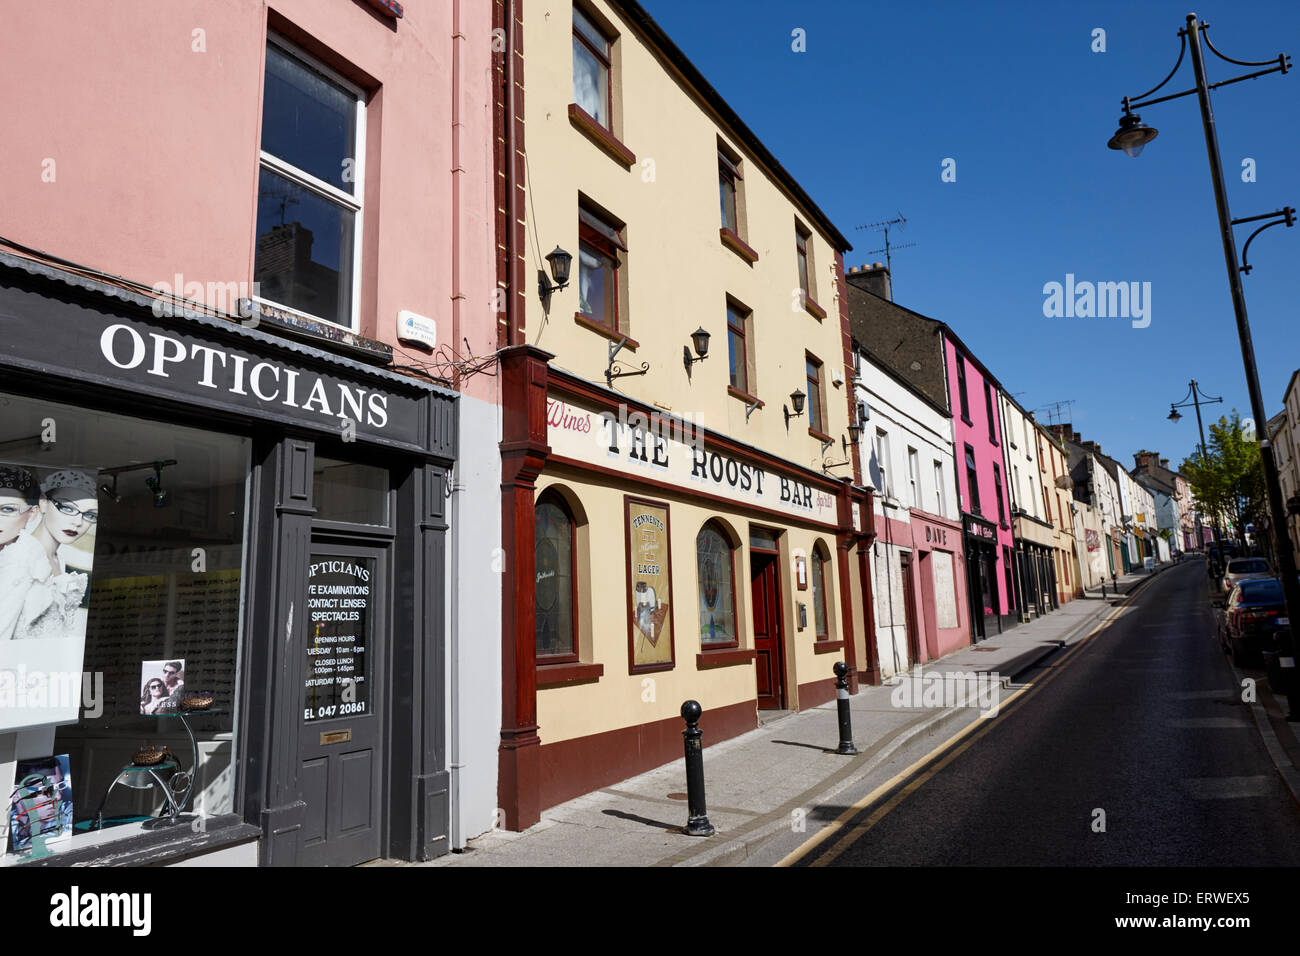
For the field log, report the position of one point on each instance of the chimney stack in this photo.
(873, 278)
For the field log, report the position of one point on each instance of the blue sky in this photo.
(1013, 92)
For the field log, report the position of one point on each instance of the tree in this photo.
(1229, 481)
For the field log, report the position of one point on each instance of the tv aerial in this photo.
(899, 223)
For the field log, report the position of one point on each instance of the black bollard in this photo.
(842, 704)
(697, 823)
(1103, 589)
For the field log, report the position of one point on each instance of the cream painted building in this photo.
(685, 525)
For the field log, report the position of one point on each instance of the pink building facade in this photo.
(247, 270)
(982, 490)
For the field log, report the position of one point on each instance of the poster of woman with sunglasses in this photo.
(45, 563)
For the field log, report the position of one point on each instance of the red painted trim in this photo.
(820, 436)
(587, 124)
(555, 675)
(744, 396)
(825, 647)
(570, 768)
(813, 309)
(817, 692)
(737, 245)
(708, 659)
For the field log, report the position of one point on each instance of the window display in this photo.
(121, 556)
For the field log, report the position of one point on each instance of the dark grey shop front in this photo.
(273, 515)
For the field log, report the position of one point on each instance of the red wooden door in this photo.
(768, 643)
(909, 601)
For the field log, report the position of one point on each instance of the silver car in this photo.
(1244, 569)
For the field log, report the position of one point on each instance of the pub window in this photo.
(592, 69)
(972, 482)
(804, 260)
(818, 561)
(143, 523)
(731, 186)
(601, 253)
(988, 410)
(738, 319)
(997, 489)
(715, 573)
(555, 552)
(309, 193)
(816, 420)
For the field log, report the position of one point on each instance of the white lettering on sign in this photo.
(167, 357)
(673, 451)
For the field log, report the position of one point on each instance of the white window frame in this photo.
(913, 466)
(882, 460)
(942, 509)
(354, 203)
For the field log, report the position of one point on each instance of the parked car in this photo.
(1244, 569)
(1255, 611)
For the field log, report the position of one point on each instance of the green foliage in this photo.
(1229, 481)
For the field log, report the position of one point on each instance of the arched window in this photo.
(818, 561)
(715, 574)
(555, 554)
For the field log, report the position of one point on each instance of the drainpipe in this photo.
(454, 765)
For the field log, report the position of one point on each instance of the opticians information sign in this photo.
(674, 451)
(338, 611)
(203, 366)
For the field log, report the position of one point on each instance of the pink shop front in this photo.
(931, 600)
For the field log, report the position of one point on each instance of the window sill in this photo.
(744, 396)
(724, 658)
(825, 647)
(967, 421)
(630, 344)
(587, 124)
(738, 245)
(152, 846)
(812, 308)
(821, 436)
(557, 675)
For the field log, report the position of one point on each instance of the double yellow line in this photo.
(971, 733)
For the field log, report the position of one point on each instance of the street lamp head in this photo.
(1173, 414)
(1132, 135)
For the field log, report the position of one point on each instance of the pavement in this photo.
(760, 783)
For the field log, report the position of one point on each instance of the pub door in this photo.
(341, 728)
(769, 643)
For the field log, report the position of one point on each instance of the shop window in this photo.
(592, 70)
(121, 567)
(972, 482)
(818, 560)
(309, 195)
(347, 492)
(601, 252)
(555, 552)
(961, 388)
(715, 566)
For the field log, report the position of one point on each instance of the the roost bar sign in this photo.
(673, 450)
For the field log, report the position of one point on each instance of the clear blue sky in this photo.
(1013, 92)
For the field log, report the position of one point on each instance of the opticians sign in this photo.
(205, 365)
(674, 450)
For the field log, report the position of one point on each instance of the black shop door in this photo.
(342, 721)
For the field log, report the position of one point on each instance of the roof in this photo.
(637, 15)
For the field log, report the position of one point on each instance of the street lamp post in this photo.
(1131, 137)
(1196, 401)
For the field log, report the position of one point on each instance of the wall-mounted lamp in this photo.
(855, 432)
(700, 339)
(559, 261)
(796, 399)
